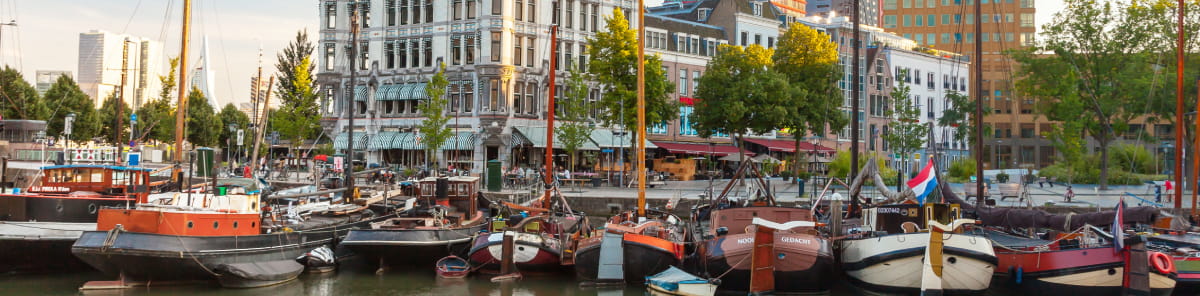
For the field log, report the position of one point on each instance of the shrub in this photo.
(961, 170)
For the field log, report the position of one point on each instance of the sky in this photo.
(47, 33)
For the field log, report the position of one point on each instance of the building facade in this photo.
(931, 76)
(100, 66)
(46, 78)
(1018, 132)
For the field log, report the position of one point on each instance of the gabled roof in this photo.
(677, 25)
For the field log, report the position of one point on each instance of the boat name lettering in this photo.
(49, 189)
(747, 240)
(891, 211)
(796, 240)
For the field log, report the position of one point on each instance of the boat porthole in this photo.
(216, 224)
(1112, 271)
(1085, 253)
(58, 208)
(92, 208)
(521, 249)
(252, 224)
(781, 256)
(952, 260)
(189, 224)
(235, 224)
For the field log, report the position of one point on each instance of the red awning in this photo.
(700, 149)
(687, 100)
(788, 146)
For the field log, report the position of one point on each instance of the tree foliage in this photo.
(67, 98)
(1100, 73)
(203, 126)
(839, 167)
(292, 63)
(808, 58)
(108, 120)
(156, 118)
(231, 115)
(739, 93)
(613, 60)
(957, 117)
(576, 128)
(434, 131)
(18, 99)
(907, 132)
(299, 116)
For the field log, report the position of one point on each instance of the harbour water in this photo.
(354, 278)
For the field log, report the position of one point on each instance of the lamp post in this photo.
(814, 140)
(67, 122)
(229, 145)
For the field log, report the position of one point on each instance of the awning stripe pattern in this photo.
(700, 149)
(537, 136)
(360, 92)
(360, 141)
(382, 140)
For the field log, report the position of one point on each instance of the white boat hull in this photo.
(894, 263)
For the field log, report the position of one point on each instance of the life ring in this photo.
(1162, 263)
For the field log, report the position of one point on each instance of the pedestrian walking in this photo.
(1070, 194)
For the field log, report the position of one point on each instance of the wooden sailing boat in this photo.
(535, 237)
(640, 243)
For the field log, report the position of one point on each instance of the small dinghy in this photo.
(319, 260)
(453, 267)
(257, 274)
(675, 281)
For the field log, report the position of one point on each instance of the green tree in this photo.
(576, 128)
(613, 60)
(67, 98)
(839, 167)
(299, 114)
(739, 93)
(907, 132)
(434, 131)
(108, 120)
(18, 99)
(295, 69)
(203, 126)
(231, 115)
(957, 117)
(1100, 73)
(808, 58)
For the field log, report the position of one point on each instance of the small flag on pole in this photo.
(1118, 233)
(924, 183)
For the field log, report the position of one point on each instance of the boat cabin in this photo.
(901, 218)
(458, 193)
(106, 180)
(739, 220)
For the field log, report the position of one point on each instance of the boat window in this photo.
(189, 224)
(235, 224)
(216, 224)
(97, 175)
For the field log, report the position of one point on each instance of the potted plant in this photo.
(786, 175)
(1002, 177)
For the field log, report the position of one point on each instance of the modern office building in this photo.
(949, 25)
(100, 66)
(46, 78)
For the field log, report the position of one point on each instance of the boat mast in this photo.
(1179, 127)
(353, 55)
(641, 109)
(977, 63)
(181, 105)
(118, 101)
(856, 47)
(549, 175)
(261, 123)
(1196, 154)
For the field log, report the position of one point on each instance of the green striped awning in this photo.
(360, 141)
(416, 91)
(385, 92)
(360, 92)
(406, 141)
(382, 140)
(536, 135)
(460, 141)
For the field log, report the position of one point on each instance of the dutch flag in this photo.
(924, 183)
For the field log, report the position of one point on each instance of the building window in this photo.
(756, 8)
(468, 96)
(891, 4)
(683, 82)
(889, 21)
(685, 122)
(456, 9)
(532, 11)
(471, 14)
(389, 54)
(427, 47)
(595, 17)
(470, 43)
(583, 17)
(496, 6)
(492, 103)
(931, 20)
(402, 50)
(518, 10)
(530, 103)
(570, 16)
(456, 50)
(745, 36)
(404, 6)
(529, 61)
(364, 50)
(1027, 20)
(428, 11)
(366, 15)
(517, 54)
(758, 39)
(695, 81)
(1026, 3)
(702, 14)
(557, 12)
(916, 77)
(390, 12)
(518, 101)
(330, 56)
(495, 46)
(330, 16)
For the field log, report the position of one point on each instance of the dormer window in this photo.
(757, 8)
(702, 14)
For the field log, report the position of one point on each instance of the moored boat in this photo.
(438, 222)
(675, 281)
(452, 267)
(538, 243)
(890, 259)
(44, 220)
(646, 248)
(186, 236)
(1038, 267)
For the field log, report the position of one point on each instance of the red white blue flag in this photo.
(925, 182)
(1118, 233)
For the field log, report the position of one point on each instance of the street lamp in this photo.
(67, 131)
(229, 145)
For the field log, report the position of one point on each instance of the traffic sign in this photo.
(133, 117)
